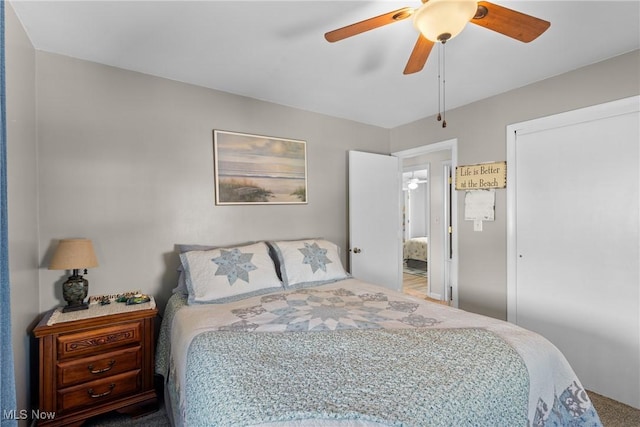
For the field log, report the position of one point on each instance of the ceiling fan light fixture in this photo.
(442, 20)
(412, 184)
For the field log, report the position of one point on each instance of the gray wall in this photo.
(22, 197)
(481, 131)
(126, 159)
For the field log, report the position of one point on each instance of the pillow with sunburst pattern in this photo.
(229, 274)
(310, 262)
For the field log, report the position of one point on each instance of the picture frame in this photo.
(259, 170)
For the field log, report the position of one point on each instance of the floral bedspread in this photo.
(349, 321)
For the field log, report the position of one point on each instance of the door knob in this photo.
(356, 250)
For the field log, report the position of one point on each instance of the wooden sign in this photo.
(482, 176)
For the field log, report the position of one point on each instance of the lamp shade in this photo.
(73, 254)
(442, 20)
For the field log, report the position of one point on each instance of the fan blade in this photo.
(511, 23)
(419, 55)
(368, 24)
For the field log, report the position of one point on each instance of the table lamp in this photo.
(74, 254)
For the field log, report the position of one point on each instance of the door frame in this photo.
(447, 215)
(451, 291)
(607, 109)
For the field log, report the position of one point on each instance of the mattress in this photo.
(415, 248)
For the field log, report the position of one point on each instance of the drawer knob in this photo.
(100, 371)
(106, 393)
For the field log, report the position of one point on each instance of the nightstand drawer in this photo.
(96, 367)
(98, 392)
(98, 340)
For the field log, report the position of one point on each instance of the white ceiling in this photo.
(275, 50)
(420, 174)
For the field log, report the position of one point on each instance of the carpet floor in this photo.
(612, 414)
(114, 419)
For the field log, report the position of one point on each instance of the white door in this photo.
(374, 218)
(574, 188)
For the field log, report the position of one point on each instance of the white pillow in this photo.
(181, 288)
(229, 274)
(311, 262)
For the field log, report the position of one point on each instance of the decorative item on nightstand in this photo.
(74, 254)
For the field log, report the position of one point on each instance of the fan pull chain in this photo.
(444, 82)
(439, 81)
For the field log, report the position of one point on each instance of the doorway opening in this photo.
(429, 212)
(415, 222)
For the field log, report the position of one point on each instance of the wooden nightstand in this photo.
(95, 361)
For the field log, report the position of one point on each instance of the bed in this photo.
(415, 252)
(278, 334)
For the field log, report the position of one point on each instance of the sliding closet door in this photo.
(574, 242)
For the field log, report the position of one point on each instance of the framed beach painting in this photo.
(258, 170)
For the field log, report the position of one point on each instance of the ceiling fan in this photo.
(442, 20)
(412, 183)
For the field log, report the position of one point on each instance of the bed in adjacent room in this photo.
(415, 252)
(298, 342)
